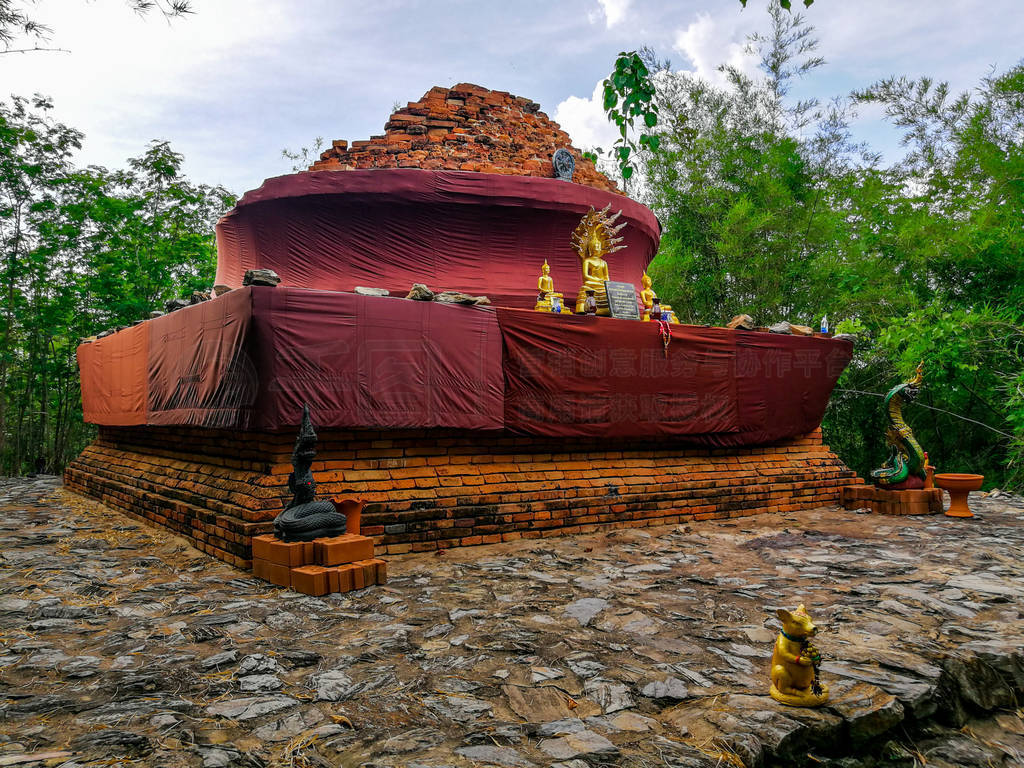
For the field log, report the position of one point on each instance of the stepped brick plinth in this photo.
(434, 489)
(925, 501)
(466, 128)
(330, 564)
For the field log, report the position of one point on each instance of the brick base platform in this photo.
(884, 502)
(435, 489)
(319, 567)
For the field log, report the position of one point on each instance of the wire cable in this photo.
(933, 408)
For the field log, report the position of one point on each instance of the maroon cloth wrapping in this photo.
(480, 233)
(113, 375)
(783, 383)
(252, 358)
(372, 362)
(198, 371)
(598, 377)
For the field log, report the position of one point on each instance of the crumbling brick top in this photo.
(466, 128)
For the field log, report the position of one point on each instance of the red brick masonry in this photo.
(436, 489)
(884, 502)
(466, 128)
(333, 564)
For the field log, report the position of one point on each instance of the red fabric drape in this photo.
(198, 367)
(368, 362)
(600, 377)
(484, 234)
(252, 358)
(114, 378)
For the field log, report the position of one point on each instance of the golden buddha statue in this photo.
(547, 299)
(648, 297)
(594, 238)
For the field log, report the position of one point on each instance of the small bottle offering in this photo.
(656, 309)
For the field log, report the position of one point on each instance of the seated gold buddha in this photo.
(593, 239)
(547, 299)
(647, 297)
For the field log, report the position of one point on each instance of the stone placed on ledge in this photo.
(785, 326)
(362, 290)
(261, 277)
(742, 323)
(420, 292)
(457, 297)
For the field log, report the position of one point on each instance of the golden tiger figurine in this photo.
(795, 662)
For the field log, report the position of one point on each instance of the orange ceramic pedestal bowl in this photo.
(958, 485)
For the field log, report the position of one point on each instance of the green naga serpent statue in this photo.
(905, 467)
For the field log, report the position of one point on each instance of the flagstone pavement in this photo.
(122, 645)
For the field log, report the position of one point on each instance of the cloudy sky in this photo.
(239, 80)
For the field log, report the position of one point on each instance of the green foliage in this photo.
(82, 249)
(629, 103)
(770, 209)
(303, 157)
(787, 4)
(17, 22)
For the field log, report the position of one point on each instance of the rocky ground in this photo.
(120, 644)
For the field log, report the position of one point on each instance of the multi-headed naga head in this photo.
(913, 387)
(596, 234)
(305, 441)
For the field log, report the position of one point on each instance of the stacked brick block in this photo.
(466, 128)
(884, 502)
(430, 490)
(318, 567)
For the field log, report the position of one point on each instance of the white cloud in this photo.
(234, 83)
(708, 42)
(614, 11)
(585, 121)
(126, 79)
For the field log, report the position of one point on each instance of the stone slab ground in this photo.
(120, 644)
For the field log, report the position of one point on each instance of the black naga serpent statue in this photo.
(305, 518)
(905, 467)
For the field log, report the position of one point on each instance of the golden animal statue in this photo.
(795, 662)
(547, 299)
(593, 239)
(647, 298)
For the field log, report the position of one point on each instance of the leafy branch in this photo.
(787, 4)
(629, 101)
(16, 21)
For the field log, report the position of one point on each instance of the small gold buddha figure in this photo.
(593, 239)
(648, 298)
(547, 299)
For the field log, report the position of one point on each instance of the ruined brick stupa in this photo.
(458, 424)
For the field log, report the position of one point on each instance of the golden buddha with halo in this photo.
(547, 299)
(647, 297)
(594, 238)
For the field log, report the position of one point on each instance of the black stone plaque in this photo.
(622, 300)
